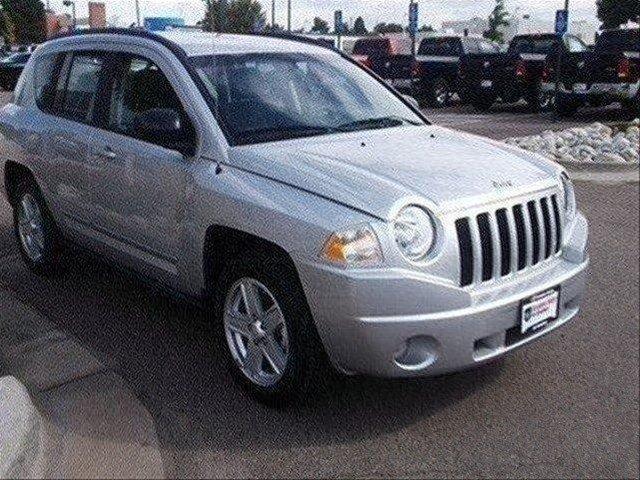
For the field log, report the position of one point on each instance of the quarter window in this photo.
(83, 84)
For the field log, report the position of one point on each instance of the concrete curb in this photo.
(21, 432)
(600, 167)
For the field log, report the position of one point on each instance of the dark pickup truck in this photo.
(438, 67)
(515, 74)
(433, 76)
(608, 74)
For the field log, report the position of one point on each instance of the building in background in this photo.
(97, 15)
(160, 24)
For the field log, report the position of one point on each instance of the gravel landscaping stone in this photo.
(596, 143)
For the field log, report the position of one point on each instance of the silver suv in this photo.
(312, 209)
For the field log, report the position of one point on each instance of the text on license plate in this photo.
(580, 87)
(487, 84)
(537, 312)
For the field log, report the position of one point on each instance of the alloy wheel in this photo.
(256, 332)
(31, 228)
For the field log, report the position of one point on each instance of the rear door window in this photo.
(619, 41)
(441, 47)
(372, 46)
(46, 76)
(81, 95)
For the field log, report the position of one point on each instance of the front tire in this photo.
(538, 100)
(268, 334)
(38, 237)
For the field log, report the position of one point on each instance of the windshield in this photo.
(618, 41)
(542, 45)
(268, 97)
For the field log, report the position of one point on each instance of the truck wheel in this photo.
(632, 106)
(269, 336)
(439, 94)
(483, 103)
(565, 106)
(39, 240)
(538, 100)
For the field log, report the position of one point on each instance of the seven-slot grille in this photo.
(508, 240)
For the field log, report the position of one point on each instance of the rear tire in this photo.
(438, 94)
(39, 240)
(565, 106)
(483, 101)
(538, 100)
(291, 356)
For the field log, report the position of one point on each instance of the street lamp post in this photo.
(273, 14)
(289, 15)
(72, 4)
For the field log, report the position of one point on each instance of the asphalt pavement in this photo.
(566, 406)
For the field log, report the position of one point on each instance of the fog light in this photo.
(417, 353)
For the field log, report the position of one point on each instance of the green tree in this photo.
(497, 21)
(426, 28)
(383, 28)
(359, 27)
(27, 19)
(6, 29)
(613, 13)
(234, 16)
(320, 26)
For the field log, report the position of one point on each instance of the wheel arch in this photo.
(14, 173)
(222, 243)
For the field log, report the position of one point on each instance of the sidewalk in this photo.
(94, 426)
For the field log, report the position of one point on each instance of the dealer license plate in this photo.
(580, 88)
(539, 311)
(487, 83)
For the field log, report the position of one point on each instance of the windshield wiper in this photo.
(283, 133)
(378, 122)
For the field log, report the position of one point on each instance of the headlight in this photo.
(569, 198)
(357, 247)
(414, 232)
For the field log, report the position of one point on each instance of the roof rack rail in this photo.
(294, 37)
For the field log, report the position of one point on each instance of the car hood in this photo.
(379, 171)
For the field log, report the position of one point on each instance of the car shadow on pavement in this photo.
(165, 352)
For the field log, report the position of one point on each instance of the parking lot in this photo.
(158, 398)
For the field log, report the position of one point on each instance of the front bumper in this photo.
(610, 91)
(366, 319)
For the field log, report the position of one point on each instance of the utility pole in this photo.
(289, 16)
(559, 62)
(273, 14)
(138, 13)
(72, 4)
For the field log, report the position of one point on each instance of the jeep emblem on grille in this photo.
(502, 184)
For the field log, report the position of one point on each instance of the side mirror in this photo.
(414, 103)
(164, 127)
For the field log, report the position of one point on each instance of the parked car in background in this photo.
(389, 57)
(516, 74)
(608, 74)
(438, 70)
(11, 68)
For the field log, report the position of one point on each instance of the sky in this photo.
(432, 12)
